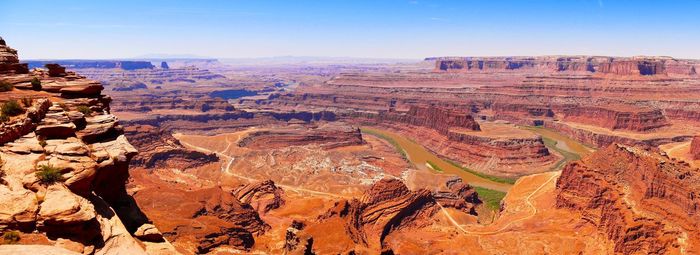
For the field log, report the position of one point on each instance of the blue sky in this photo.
(372, 28)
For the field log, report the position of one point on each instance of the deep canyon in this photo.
(448, 155)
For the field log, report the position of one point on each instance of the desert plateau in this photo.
(471, 148)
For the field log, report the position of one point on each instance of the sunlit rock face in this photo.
(643, 201)
(64, 165)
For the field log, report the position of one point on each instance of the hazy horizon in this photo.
(78, 29)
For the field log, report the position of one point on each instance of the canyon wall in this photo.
(632, 119)
(695, 148)
(439, 119)
(603, 65)
(644, 202)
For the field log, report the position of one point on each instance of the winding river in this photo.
(419, 156)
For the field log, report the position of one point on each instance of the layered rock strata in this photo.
(604, 65)
(634, 119)
(644, 202)
(326, 135)
(9, 62)
(439, 119)
(695, 148)
(159, 149)
(387, 207)
(64, 167)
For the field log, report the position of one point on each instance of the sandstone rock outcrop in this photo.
(389, 206)
(695, 147)
(56, 70)
(9, 62)
(263, 196)
(160, 149)
(64, 171)
(385, 207)
(458, 195)
(222, 219)
(644, 202)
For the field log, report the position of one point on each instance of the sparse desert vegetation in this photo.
(49, 174)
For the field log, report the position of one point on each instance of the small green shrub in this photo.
(4, 118)
(11, 108)
(26, 101)
(84, 109)
(10, 237)
(36, 84)
(49, 174)
(6, 86)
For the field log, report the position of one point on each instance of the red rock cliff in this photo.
(635, 120)
(644, 202)
(437, 118)
(604, 65)
(695, 147)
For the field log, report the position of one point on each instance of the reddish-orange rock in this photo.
(624, 118)
(695, 147)
(386, 207)
(644, 202)
(437, 118)
(604, 65)
(263, 196)
(9, 62)
(56, 70)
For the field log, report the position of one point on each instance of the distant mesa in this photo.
(98, 64)
(164, 65)
(586, 64)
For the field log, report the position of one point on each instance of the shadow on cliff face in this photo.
(110, 185)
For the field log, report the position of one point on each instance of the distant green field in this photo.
(483, 175)
(491, 198)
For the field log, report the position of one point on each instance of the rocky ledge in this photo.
(64, 166)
